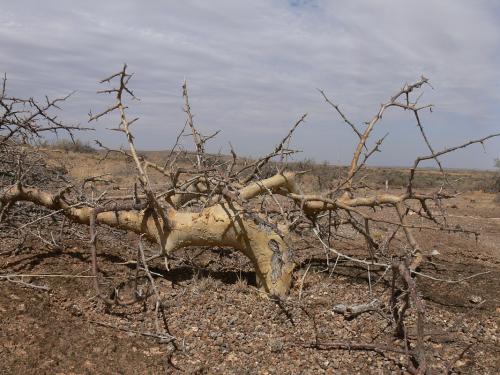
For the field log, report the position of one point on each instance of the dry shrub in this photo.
(70, 145)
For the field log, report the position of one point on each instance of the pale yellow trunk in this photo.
(218, 225)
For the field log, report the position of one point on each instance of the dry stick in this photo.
(393, 301)
(125, 128)
(448, 367)
(124, 78)
(404, 271)
(234, 159)
(143, 177)
(162, 337)
(450, 281)
(277, 151)
(49, 215)
(420, 126)
(346, 120)
(417, 252)
(366, 134)
(27, 118)
(406, 275)
(351, 311)
(358, 227)
(355, 260)
(51, 244)
(4, 83)
(93, 248)
(334, 265)
(348, 205)
(29, 285)
(442, 152)
(38, 275)
(93, 256)
(4, 209)
(369, 279)
(197, 138)
(302, 281)
(369, 243)
(153, 284)
(172, 150)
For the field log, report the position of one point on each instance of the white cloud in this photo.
(254, 66)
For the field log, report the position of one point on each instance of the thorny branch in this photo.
(216, 200)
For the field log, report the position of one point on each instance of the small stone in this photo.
(276, 346)
(224, 348)
(324, 365)
(75, 310)
(247, 350)
(475, 299)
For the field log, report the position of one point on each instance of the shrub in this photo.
(69, 145)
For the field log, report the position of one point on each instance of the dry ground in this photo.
(223, 325)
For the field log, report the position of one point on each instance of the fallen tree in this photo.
(226, 202)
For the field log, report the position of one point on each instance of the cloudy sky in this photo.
(253, 68)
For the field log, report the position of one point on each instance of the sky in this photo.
(254, 67)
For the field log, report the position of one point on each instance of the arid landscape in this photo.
(218, 320)
(285, 187)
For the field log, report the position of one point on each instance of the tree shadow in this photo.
(356, 272)
(179, 274)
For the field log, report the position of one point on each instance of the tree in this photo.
(225, 201)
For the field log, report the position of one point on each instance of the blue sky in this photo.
(253, 68)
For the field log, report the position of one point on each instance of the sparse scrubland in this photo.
(127, 261)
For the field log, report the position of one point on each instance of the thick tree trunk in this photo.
(219, 225)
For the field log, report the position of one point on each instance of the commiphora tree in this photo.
(236, 203)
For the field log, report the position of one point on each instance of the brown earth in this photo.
(223, 325)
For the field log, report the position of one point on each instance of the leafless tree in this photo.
(230, 202)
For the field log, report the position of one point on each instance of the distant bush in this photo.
(495, 187)
(69, 145)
